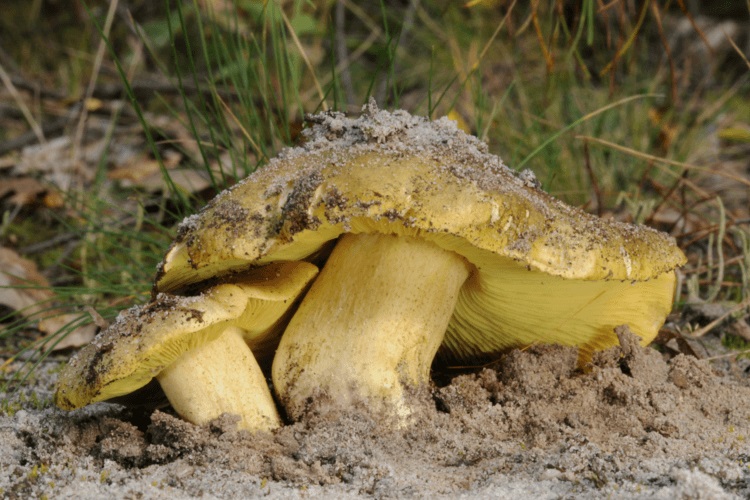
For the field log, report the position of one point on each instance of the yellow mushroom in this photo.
(431, 246)
(199, 348)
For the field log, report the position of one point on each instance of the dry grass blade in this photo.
(668, 51)
(303, 54)
(5, 77)
(100, 51)
(540, 38)
(258, 150)
(737, 49)
(582, 119)
(98, 319)
(695, 26)
(342, 66)
(629, 42)
(495, 33)
(707, 328)
(728, 355)
(657, 159)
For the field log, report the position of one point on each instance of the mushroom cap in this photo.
(394, 173)
(146, 339)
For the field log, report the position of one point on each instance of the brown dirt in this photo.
(631, 425)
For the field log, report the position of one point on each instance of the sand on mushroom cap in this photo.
(515, 266)
(199, 348)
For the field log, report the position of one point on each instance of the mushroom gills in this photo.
(370, 324)
(505, 305)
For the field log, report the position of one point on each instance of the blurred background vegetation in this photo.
(117, 119)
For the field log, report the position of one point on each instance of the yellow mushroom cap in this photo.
(144, 340)
(544, 271)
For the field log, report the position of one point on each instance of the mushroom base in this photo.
(221, 376)
(371, 323)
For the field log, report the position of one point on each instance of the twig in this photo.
(42, 92)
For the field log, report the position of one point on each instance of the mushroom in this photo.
(199, 348)
(431, 247)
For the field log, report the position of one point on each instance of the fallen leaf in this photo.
(52, 326)
(53, 199)
(93, 104)
(22, 190)
(23, 289)
(146, 173)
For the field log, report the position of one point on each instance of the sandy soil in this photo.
(632, 426)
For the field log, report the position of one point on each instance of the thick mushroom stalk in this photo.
(221, 376)
(370, 324)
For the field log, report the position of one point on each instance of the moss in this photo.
(26, 231)
(736, 343)
(37, 471)
(8, 407)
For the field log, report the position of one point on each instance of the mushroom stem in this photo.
(221, 376)
(371, 323)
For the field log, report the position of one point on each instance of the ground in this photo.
(633, 424)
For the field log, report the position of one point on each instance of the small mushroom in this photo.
(430, 246)
(199, 348)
